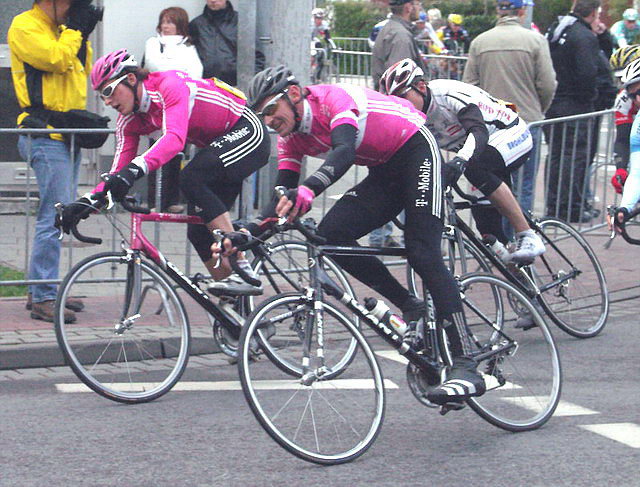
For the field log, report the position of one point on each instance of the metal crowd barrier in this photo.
(574, 165)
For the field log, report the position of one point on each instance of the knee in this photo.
(333, 233)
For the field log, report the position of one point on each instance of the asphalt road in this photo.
(211, 438)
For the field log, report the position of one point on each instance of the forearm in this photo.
(631, 193)
(339, 159)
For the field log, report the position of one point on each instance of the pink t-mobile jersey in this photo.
(384, 124)
(183, 109)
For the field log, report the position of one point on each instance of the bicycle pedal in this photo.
(451, 406)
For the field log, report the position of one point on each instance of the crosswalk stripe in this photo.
(625, 433)
(235, 385)
(534, 403)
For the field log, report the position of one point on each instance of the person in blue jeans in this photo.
(50, 62)
(56, 171)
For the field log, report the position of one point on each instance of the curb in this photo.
(30, 355)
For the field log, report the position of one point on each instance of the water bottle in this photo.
(497, 246)
(380, 310)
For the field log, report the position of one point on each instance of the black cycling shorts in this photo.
(488, 171)
(212, 180)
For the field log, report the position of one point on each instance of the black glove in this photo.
(83, 16)
(452, 171)
(120, 183)
(74, 212)
(625, 216)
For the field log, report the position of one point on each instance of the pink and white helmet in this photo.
(110, 66)
(398, 78)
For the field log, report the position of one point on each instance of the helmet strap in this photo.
(296, 116)
(134, 89)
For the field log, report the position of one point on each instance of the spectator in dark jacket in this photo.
(215, 35)
(574, 53)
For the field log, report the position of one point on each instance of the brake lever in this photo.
(59, 209)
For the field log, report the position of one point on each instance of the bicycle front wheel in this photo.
(520, 365)
(317, 417)
(125, 352)
(287, 271)
(572, 284)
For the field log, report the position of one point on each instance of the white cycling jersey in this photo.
(508, 133)
(631, 193)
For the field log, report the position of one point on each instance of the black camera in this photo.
(97, 12)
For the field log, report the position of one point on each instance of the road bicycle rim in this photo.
(329, 421)
(131, 364)
(524, 381)
(292, 258)
(579, 305)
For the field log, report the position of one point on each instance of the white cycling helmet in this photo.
(631, 74)
(400, 77)
(318, 12)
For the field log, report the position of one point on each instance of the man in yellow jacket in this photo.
(50, 63)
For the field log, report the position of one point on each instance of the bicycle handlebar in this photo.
(305, 230)
(622, 226)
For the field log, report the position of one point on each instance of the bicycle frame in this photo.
(139, 243)
(429, 362)
(532, 290)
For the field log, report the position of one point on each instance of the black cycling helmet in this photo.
(270, 81)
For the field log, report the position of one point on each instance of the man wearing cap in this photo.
(396, 39)
(627, 30)
(513, 63)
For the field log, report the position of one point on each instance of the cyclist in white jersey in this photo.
(348, 125)
(631, 192)
(489, 139)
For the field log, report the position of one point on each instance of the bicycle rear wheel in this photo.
(571, 280)
(318, 417)
(119, 355)
(521, 367)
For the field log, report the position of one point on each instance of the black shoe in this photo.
(413, 309)
(463, 381)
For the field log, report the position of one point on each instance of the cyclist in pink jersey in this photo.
(354, 125)
(205, 112)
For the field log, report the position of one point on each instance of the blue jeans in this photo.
(57, 178)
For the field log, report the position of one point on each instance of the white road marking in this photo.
(393, 355)
(626, 433)
(235, 385)
(564, 408)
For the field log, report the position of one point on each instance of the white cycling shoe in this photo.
(528, 246)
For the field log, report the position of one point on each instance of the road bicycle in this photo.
(132, 342)
(330, 414)
(567, 281)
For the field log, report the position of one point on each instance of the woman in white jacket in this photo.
(171, 49)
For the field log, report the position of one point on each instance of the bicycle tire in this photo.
(523, 382)
(300, 270)
(349, 409)
(579, 305)
(137, 363)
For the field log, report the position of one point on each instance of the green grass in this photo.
(8, 274)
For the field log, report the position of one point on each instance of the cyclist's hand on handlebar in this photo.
(74, 212)
(618, 179)
(228, 245)
(119, 184)
(296, 202)
(616, 217)
(452, 171)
